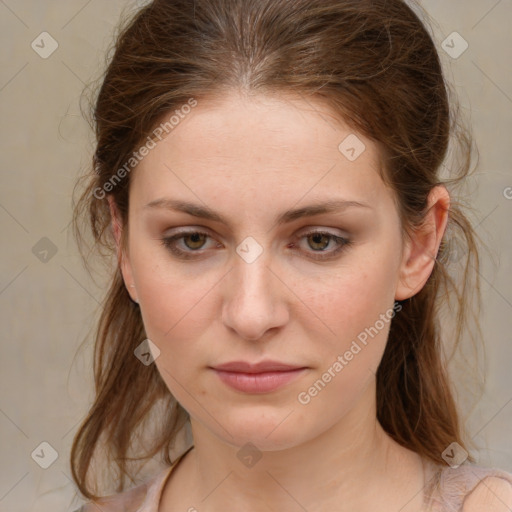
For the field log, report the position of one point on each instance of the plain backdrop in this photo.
(49, 304)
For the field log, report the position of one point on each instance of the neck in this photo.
(334, 471)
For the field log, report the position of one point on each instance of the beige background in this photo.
(48, 307)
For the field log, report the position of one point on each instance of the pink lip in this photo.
(261, 367)
(257, 378)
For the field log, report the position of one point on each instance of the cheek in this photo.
(175, 310)
(174, 304)
(349, 300)
(358, 309)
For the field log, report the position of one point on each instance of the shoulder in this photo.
(127, 501)
(143, 498)
(470, 488)
(492, 494)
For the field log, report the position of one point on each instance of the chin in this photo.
(270, 433)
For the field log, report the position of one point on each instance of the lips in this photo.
(261, 367)
(262, 377)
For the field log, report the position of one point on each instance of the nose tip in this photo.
(252, 302)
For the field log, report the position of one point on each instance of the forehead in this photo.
(253, 146)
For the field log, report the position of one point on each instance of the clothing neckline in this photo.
(158, 488)
(431, 473)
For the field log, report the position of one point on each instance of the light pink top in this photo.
(445, 491)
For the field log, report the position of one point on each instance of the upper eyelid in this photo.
(301, 231)
(178, 235)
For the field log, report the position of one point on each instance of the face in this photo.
(255, 281)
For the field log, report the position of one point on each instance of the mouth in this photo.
(263, 377)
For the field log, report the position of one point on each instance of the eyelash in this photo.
(169, 244)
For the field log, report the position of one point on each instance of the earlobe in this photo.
(420, 252)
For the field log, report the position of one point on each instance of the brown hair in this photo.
(374, 63)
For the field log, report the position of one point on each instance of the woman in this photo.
(270, 174)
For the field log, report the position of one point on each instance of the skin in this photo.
(250, 159)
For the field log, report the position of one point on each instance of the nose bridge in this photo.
(252, 303)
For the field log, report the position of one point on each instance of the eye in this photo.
(194, 242)
(320, 240)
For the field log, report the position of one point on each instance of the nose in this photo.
(254, 299)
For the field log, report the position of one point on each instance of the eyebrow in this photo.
(332, 206)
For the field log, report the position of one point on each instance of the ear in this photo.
(419, 255)
(122, 258)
